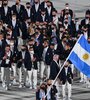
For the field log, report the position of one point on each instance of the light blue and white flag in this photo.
(80, 56)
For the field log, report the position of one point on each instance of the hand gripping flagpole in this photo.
(62, 67)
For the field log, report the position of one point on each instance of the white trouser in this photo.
(2, 74)
(83, 77)
(32, 73)
(5, 75)
(69, 88)
(72, 67)
(58, 88)
(14, 70)
(39, 65)
(48, 71)
(22, 71)
(44, 68)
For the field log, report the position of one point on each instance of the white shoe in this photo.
(58, 97)
(3, 85)
(14, 82)
(69, 98)
(10, 84)
(81, 81)
(88, 86)
(6, 88)
(20, 86)
(30, 87)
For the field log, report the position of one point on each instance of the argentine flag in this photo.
(80, 56)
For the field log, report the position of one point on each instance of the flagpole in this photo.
(62, 66)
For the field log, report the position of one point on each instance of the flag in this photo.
(80, 56)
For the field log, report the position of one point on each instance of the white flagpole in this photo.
(62, 66)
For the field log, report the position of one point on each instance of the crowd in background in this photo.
(30, 36)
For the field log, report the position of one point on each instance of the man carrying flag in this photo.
(66, 78)
(79, 56)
